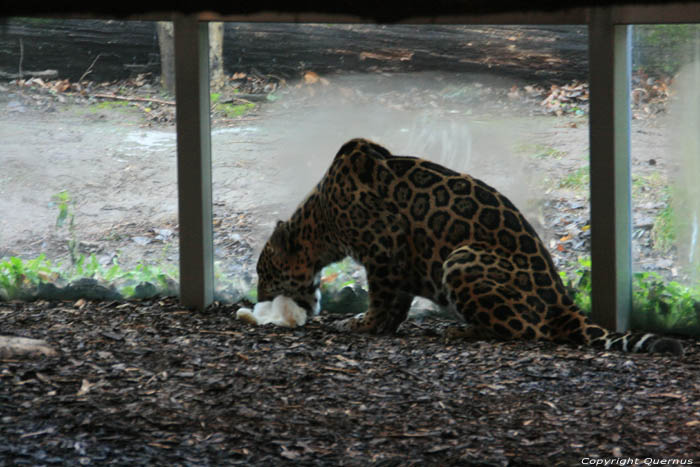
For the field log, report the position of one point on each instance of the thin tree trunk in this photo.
(216, 55)
(166, 41)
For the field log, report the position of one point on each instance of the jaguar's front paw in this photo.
(353, 324)
(455, 333)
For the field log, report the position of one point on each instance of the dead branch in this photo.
(133, 99)
(89, 69)
(21, 57)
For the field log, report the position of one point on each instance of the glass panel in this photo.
(507, 105)
(88, 194)
(665, 168)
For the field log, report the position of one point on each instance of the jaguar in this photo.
(421, 229)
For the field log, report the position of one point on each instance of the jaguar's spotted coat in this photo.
(422, 229)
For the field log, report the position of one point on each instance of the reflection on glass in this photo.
(665, 166)
(514, 116)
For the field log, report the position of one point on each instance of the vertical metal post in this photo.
(611, 218)
(194, 161)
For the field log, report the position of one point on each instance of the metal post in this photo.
(194, 161)
(611, 219)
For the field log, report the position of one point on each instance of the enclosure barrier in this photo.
(609, 134)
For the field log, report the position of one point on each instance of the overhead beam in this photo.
(194, 161)
(609, 130)
(563, 16)
(659, 13)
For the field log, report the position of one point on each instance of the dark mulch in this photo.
(152, 383)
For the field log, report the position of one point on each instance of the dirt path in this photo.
(121, 170)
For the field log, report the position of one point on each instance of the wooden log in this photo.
(30, 74)
(539, 53)
(13, 347)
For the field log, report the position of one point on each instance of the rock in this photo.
(350, 300)
(145, 290)
(88, 289)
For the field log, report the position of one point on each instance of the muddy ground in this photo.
(117, 162)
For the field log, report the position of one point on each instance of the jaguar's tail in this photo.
(631, 341)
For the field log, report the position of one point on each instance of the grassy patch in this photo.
(109, 105)
(663, 232)
(576, 180)
(539, 151)
(229, 109)
(234, 110)
(644, 186)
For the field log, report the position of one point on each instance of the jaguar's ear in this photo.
(282, 240)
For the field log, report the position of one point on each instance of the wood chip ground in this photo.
(151, 383)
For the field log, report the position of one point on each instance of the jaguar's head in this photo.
(285, 267)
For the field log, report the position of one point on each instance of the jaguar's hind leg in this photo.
(483, 287)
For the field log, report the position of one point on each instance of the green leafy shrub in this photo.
(229, 109)
(665, 306)
(18, 276)
(20, 279)
(658, 305)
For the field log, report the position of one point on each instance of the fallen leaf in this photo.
(311, 78)
(289, 454)
(84, 388)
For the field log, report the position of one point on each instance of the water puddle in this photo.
(152, 140)
(238, 130)
(167, 140)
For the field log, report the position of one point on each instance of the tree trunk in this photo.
(216, 55)
(166, 41)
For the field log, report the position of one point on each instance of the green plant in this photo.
(252, 294)
(663, 232)
(659, 305)
(580, 284)
(66, 210)
(665, 305)
(144, 273)
(577, 180)
(17, 276)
